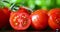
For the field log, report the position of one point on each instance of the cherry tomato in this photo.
(3, 18)
(20, 21)
(54, 18)
(39, 19)
(6, 11)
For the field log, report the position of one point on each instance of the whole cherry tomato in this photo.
(39, 19)
(20, 20)
(54, 18)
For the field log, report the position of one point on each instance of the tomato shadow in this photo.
(46, 29)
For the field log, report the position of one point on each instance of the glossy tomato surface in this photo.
(39, 19)
(23, 9)
(20, 21)
(3, 19)
(6, 11)
(54, 18)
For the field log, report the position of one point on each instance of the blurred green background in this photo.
(32, 4)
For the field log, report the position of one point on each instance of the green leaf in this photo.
(6, 4)
(47, 4)
(31, 4)
(9, 1)
(19, 1)
(58, 2)
(13, 1)
(38, 2)
(1, 4)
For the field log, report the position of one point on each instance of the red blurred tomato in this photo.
(39, 19)
(54, 18)
(20, 20)
(24, 9)
(6, 11)
(4, 19)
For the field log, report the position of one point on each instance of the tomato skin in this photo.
(6, 11)
(14, 14)
(3, 18)
(39, 19)
(22, 9)
(54, 18)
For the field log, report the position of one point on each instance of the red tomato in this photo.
(20, 21)
(3, 18)
(6, 11)
(39, 19)
(22, 9)
(54, 18)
